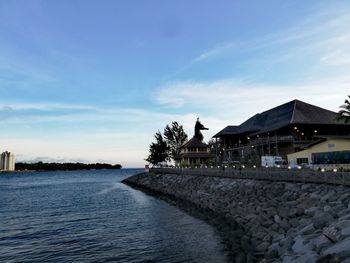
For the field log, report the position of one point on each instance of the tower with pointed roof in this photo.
(195, 152)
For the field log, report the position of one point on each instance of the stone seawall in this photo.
(281, 221)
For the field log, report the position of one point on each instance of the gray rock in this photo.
(275, 227)
(345, 217)
(306, 258)
(311, 211)
(267, 238)
(343, 197)
(341, 248)
(263, 246)
(322, 219)
(345, 232)
(300, 247)
(330, 259)
(343, 213)
(307, 229)
(332, 233)
(327, 196)
(284, 212)
(240, 258)
(278, 237)
(245, 244)
(267, 223)
(294, 222)
(277, 219)
(327, 208)
(320, 243)
(285, 246)
(260, 235)
(342, 224)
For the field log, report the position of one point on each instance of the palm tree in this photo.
(344, 113)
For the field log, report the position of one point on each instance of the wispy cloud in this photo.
(92, 133)
(309, 61)
(6, 112)
(220, 50)
(337, 58)
(323, 30)
(236, 101)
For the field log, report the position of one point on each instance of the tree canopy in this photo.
(167, 146)
(344, 112)
(175, 136)
(158, 151)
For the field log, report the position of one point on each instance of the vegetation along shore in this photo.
(41, 166)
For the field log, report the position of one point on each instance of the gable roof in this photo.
(293, 112)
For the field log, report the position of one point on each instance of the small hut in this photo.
(195, 151)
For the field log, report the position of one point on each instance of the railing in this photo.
(267, 174)
(271, 140)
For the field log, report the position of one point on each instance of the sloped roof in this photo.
(295, 111)
(194, 142)
(229, 130)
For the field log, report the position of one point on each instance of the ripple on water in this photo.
(89, 216)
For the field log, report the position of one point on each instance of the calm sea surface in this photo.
(89, 216)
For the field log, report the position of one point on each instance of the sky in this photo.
(93, 81)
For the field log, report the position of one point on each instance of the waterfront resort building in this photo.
(328, 150)
(7, 161)
(195, 152)
(280, 131)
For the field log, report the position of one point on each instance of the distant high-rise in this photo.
(7, 161)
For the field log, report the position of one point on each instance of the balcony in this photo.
(270, 140)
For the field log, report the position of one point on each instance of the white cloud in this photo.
(113, 134)
(216, 51)
(318, 47)
(324, 31)
(234, 101)
(337, 58)
(6, 112)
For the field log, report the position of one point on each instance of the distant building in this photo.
(195, 152)
(7, 161)
(328, 150)
(280, 131)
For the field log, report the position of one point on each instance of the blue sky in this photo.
(94, 80)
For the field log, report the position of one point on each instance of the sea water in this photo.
(90, 216)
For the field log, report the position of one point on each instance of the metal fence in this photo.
(267, 174)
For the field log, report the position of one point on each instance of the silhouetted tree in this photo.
(158, 151)
(40, 166)
(175, 136)
(344, 113)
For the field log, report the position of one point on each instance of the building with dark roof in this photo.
(195, 152)
(282, 130)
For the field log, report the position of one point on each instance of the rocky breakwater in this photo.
(281, 222)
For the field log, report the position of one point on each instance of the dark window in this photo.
(341, 157)
(302, 161)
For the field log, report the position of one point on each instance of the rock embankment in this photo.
(282, 222)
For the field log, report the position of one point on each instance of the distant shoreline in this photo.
(31, 171)
(40, 166)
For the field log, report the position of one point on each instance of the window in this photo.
(340, 157)
(302, 161)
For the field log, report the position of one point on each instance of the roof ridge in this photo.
(295, 104)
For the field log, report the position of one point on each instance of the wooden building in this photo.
(195, 152)
(285, 129)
